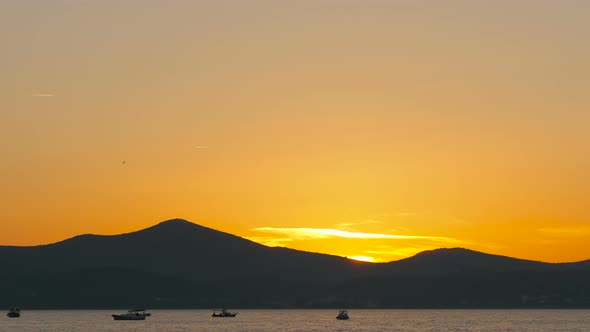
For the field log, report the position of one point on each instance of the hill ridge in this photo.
(181, 225)
(177, 263)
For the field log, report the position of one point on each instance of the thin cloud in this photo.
(326, 233)
(43, 95)
(363, 222)
(396, 229)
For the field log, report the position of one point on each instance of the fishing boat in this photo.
(223, 313)
(144, 311)
(13, 313)
(342, 315)
(132, 314)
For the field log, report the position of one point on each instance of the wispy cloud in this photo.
(326, 233)
(362, 222)
(42, 95)
(201, 147)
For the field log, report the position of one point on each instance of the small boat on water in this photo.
(342, 315)
(132, 314)
(223, 313)
(13, 313)
(144, 311)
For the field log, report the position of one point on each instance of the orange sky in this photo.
(368, 128)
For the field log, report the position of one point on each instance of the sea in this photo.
(304, 320)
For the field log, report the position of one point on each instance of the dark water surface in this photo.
(305, 320)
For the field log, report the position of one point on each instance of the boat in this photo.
(144, 311)
(13, 313)
(132, 314)
(223, 313)
(342, 315)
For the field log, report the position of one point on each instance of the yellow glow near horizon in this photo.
(363, 258)
(324, 233)
(354, 128)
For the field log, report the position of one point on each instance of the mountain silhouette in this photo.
(177, 247)
(181, 264)
(448, 261)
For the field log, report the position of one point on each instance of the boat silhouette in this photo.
(13, 313)
(132, 314)
(223, 313)
(342, 315)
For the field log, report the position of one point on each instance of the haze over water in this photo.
(305, 320)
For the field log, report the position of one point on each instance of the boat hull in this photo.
(129, 317)
(13, 315)
(228, 315)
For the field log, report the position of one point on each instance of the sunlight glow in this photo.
(379, 128)
(363, 258)
(324, 233)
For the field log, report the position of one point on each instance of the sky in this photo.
(370, 129)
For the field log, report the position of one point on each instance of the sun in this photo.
(362, 258)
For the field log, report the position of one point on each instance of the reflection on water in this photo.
(305, 320)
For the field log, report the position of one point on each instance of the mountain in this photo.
(180, 264)
(451, 261)
(175, 247)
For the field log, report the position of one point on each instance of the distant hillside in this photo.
(464, 261)
(177, 248)
(180, 264)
